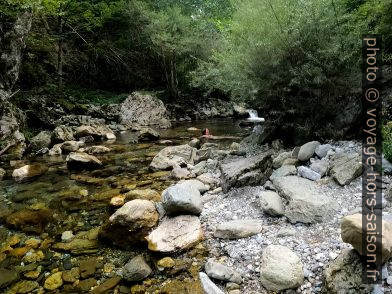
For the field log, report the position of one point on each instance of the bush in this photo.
(387, 141)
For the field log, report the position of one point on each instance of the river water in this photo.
(79, 201)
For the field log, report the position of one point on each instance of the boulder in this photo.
(62, 133)
(182, 199)
(307, 150)
(345, 167)
(195, 184)
(320, 167)
(145, 110)
(40, 141)
(283, 171)
(71, 146)
(173, 156)
(322, 150)
(237, 229)
(208, 286)
(280, 269)
(247, 171)
(308, 173)
(131, 223)
(351, 231)
(96, 149)
(136, 269)
(219, 271)
(29, 172)
(278, 160)
(96, 130)
(148, 134)
(306, 203)
(81, 160)
(56, 150)
(271, 203)
(344, 275)
(175, 234)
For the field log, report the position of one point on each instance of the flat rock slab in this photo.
(237, 229)
(306, 204)
(346, 167)
(175, 234)
(81, 160)
(247, 171)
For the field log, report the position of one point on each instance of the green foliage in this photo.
(387, 141)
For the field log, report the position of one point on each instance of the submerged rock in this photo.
(351, 231)
(175, 234)
(7, 277)
(182, 199)
(96, 149)
(2, 173)
(30, 220)
(148, 134)
(280, 269)
(306, 203)
(29, 172)
(54, 281)
(81, 160)
(237, 229)
(136, 269)
(146, 194)
(247, 171)
(71, 146)
(173, 156)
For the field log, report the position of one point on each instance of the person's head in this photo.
(206, 132)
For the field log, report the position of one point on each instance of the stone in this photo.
(30, 220)
(146, 194)
(235, 146)
(54, 281)
(175, 234)
(23, 287)
(67, 236)
(345, 167)
(81, 160)
(208, 286)
(280, 269)
(308, 173)
(106, 285)
(283, 171)
(271, 203)
(195, 143)
(322, 150)
(344, 274)
(40, 141)
(307, 150)
(87, 267)
(237, 229)
(247, 171)
(351, 232)
(199, 168)
(97, 131)
(320, 167)
(78, 246)
(269, 186)
(71, 146)
(7, 277)
(306, 203)
(278, 160)
(33, 257)
(144, 109)
(295, 152)
(29, 172)
(136, 214)
(148, 134)
(173, 156)
(136, 269)
(87, 284)
(182, 199)
(62, 133)
(96, 149)
(208, 179)
(194, 184)
(56, 150)
(221, 272)
(179, 173)
(131, 223)
(72, 275)
(166, 262)
(2, 173)
(110, 136)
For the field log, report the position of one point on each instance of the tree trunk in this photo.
(60, 54)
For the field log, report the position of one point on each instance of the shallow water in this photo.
(80, 200)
